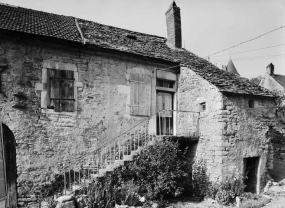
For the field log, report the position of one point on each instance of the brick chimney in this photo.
(270, 69)
(173, 22)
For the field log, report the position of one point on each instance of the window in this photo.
(61, 90)
(251, 103)
(165, 83)
(203, 106)
(140, 97)
(58, 88)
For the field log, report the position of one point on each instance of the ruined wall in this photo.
(193, 90)
(45, 140)
(245, 134)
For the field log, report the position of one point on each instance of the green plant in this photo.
(127, 194)
(250, 200)
(200, 179)
(225, 197)
(160, 170)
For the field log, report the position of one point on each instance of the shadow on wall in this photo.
(277, 141)
(278, 171)
(11, 167)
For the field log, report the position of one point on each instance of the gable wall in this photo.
(45, 140)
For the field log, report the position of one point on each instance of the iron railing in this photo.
(123, 147)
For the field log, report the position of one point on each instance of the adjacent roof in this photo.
(38, 23)
(63, 27)
(280, 79)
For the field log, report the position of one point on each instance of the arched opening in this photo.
(11, 167)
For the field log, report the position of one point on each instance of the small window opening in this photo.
(132, 37)
(165, 83)
(251, 103)
(203, 106)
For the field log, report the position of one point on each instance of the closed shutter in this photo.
(140, 94)
(61, 90)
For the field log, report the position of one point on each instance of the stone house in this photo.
(272, 81)
(70, 85)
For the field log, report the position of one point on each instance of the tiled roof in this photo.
(156, 47)
(280, 79)
(63, 27)
(38, 23)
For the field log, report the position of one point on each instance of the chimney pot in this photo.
(173, 22)
(270, 69)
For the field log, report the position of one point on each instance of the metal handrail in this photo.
(147, 119)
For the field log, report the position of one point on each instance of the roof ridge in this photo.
(84, 20)
(8, 5)
(20, 7)
(135, 32)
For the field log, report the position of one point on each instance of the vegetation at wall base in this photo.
(223, 192)
(158, 172)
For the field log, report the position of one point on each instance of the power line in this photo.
(249, 58)
(250, 50)
(247, 41)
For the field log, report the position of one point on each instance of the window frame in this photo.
(44, 88)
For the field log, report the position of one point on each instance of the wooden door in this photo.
(165, 115)
(3, 186)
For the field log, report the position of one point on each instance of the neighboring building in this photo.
(230, 68)
(69, 85)
(272, 81)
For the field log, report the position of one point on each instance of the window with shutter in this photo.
(140, 85)
(61, 90)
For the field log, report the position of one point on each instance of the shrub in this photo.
(159, 171)
(224, 192)
(200, 179)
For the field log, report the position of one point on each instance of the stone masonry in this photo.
(229, 129)
(45, 139)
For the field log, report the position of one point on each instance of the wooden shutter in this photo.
(140, 94)
(61, 90)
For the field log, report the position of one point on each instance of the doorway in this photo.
(11, 167)
(164, 120)
(250, 174)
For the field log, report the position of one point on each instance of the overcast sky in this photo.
(208, 26)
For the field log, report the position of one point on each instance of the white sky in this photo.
(208, 26)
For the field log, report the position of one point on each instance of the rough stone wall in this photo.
(245, 134)
(229, 130)
(45, 140)
(193, 90)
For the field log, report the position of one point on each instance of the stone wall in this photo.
(245, 134)
(45, 140)
(192, 91)
(229, 130)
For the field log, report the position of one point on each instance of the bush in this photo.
(224, 192)
(200, 180)
(159, 171)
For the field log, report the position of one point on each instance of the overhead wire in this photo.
(257, 49)
(248, 58)
(252, 39)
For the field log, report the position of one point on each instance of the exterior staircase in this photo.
(124, 147)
